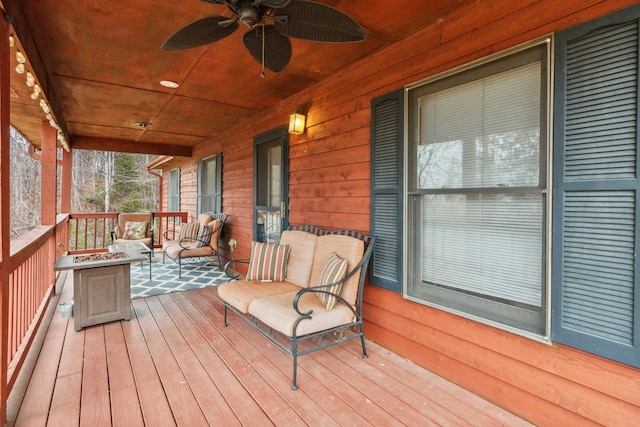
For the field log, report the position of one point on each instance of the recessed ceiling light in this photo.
(170, 84)
(143, 125)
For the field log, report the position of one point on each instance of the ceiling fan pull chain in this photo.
(263, 36)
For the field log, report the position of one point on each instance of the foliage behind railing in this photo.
(90, 232)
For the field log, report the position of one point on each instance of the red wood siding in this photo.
(329, 186)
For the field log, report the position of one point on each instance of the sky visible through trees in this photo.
(101, 182)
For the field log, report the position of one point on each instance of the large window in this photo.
(209, 184)
(477, 191)
(173, 193)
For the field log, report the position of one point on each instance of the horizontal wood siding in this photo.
(329, 186)
(546, 384)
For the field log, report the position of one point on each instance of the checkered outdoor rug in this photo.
(164, 277)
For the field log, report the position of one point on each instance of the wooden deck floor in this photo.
(174, 364)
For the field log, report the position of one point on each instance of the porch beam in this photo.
(49, 165)
(5, 209)
(129, 146)
(65, 186)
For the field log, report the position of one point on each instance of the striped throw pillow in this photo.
(268, 261)
(204, 236)
(189, 229)
(333, 270)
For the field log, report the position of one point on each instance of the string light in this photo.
(37, 90)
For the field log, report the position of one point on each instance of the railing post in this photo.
(65, 187)
(48, 199)
(5, 209)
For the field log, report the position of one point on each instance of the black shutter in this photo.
(595, 295)
(387, 140)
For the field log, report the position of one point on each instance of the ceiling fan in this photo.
(270, 44)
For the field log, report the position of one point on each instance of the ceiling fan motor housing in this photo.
(249, 15)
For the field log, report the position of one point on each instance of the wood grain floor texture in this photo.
(174, 364)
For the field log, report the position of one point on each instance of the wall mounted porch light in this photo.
(296, 123)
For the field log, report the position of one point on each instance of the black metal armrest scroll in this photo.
(227, 267)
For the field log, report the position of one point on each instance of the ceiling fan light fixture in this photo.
(170, 84)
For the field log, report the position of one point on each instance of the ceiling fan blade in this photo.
(200, 32)
(272, 3)
(316, 22)
(277, 48)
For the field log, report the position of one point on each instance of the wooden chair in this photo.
(179, 248)
(118, 236)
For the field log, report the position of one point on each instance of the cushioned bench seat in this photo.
(321, 292)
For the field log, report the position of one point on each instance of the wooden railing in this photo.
(31, 285)
(91, 232)
(32, 277)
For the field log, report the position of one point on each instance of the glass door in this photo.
(271, 185)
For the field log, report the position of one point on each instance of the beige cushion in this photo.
(240, 293)
(173, 250)
(300, 257)
(146, 241)
(347, 248)
(204, 219)
(277, 312)
(215, 233)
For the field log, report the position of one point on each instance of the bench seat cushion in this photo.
(173, 249)
(240, 293)
(146, 241)
(277, 312)
(300, 256)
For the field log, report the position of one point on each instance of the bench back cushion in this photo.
(347, 248)
(300, 257)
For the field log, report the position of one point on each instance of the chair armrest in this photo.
(114, 235)
(228, 265)
(186, 239)
(324, 289)
(166, 233)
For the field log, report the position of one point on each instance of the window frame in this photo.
(484, 67)
(173, 200)
(216, 195)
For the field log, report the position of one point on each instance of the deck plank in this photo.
(34, 410)
(174, 363)
(276, 407)
(184, 407)
(240, 401)
(209, 398)
(300, 402)
(125, 405)
(95, 409)
(153, 401)
(341, 395)
(68, 390)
